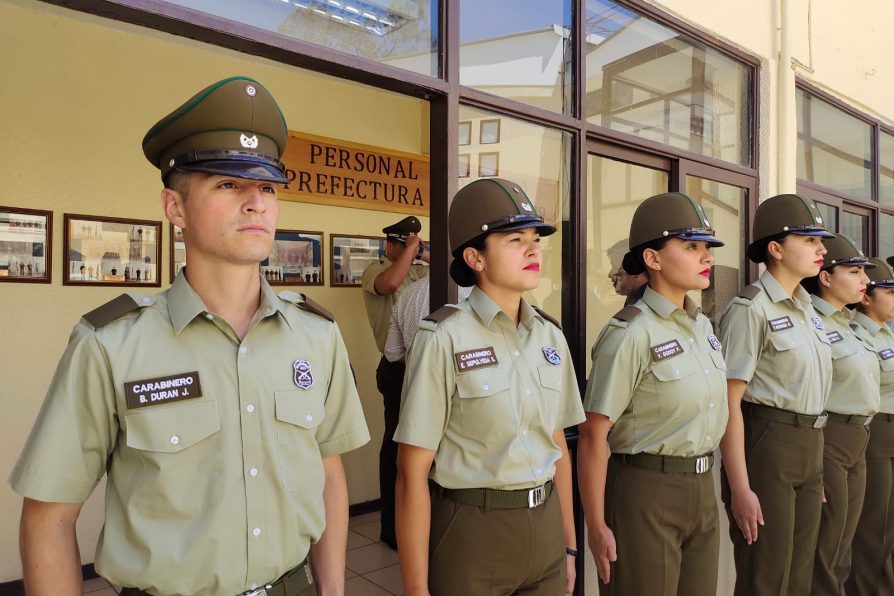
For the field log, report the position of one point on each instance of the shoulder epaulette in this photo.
(114, 309)
(749, 292)
(546, 316)
(311, 306)
(627, 314)
(441, 314)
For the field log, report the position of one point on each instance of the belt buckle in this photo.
(536, 496)
(259, 591)
(821, 420)
(701, 464)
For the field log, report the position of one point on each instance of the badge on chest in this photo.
(781, 324)
(302, 374)
(668, 349)
(886, 354)
(834, 337)
(477, 358)
(161, 390)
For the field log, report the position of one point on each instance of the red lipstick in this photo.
(533, 267)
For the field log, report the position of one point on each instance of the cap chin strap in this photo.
(226, 155)
(805, 228)
(511, 220)
(689, 232)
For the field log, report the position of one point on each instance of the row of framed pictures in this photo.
(127, 252)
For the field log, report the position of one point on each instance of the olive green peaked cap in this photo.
(232, 128)
(670, 214)
(881, 275)
(785, 214)
(491, 205)
(891, 261)
(841, 250)
(400, 231)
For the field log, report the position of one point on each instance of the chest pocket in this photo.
(717, 358)
(783, 341)
(298, 414)
(484, 406)
(172, 443)
(674, 369)
(842, 348)
(886, 365)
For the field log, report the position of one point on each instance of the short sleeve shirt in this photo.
(378, 306)
(661, 380)
(213, 446)
(855, 367)
(881, 338)
(487, 396)
(777, 344)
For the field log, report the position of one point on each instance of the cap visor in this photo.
(884, 283)
(711, 240)
(820, 233)
(251, 170)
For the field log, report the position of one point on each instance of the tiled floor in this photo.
(372, 567)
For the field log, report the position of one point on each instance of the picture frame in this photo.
(350, 256)
(295, 260)
(26, 245)
(178, 252)
(110, 251)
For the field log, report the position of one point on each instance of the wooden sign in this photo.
(333, 172)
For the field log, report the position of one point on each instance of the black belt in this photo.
(492, 498)
(785, 416)
(850, 418)
(884, 416)
(668, 463)
(291, 583)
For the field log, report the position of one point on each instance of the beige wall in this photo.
(80, 94)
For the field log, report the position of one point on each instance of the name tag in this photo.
(886, 354)
(162, 390)
(666, 350)
(781, 323)
(477, 358)
(834, 337)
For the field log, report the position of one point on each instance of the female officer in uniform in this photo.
(853, 399)
(488, 390)
(658, 383)
(873, 543)
(779, 369)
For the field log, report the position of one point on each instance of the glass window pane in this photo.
(615, 189)
(886, 166)
(537, 158)
(830, 215)
(724, 205)
(650, 81)
(402, 33)
(834, 148)
(886, 235)
(518, 49)
(856, 227)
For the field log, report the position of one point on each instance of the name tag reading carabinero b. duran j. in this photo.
(781, 323)
(477, 358)
(161, 390)
(666, 350)
(886, 354)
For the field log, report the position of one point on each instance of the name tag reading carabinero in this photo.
(834, 337)
(478, 358)
(781, 323)
(161, 390)
(886, 354)
(666, 350)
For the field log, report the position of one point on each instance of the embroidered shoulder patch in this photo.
(818, 323)
(666, 350)
(781, 324)
(477, 358)
(715, 343)
(161, 390)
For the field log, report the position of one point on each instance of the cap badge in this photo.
(526, 207)
(249, 142)
(552, 355)
(302, 374)
(715, 343)
(818, 323)
(516, 189)
(250, 90)
(819, 220)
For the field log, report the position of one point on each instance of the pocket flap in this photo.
(550, 376)
(301, 408)
(172, 428)
(841, 349)
(717, 358)
(674, 368)
(480, 384)
(787, 340)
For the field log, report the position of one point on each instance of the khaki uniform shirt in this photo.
(776, 344)
(855, 366)
(881, 338)
(378, 307)
(213, 446)
(487, 396)
(661, 380)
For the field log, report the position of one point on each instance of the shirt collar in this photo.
(871, 326)
(487, 309)
(777, 294)
(843, 316)
(664, 308)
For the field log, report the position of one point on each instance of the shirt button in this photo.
(175, 440)
(250, 408)
(707, 371)
(709, 437)
(524, 432)
(209, 316)
(252, 472)
(243, 350)
(538, 471)
(268, 311)
(309, 418)
(146, 299)
(487, 387)
(515, 352)
(711, 404)
(256, 532)
(527, 392)
(691, 340)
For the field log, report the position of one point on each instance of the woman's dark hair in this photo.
(461, 273)
(758, 252)
(633, 262)
(812, 285)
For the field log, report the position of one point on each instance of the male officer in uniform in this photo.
(218, 410)
(383, 282)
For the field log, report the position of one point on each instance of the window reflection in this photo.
(886, 168)
(886, 235)
(856, 227)
(829, 214)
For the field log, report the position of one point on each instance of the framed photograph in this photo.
(25, 245)
(110, 251)
(463, 165)
(488, 164)
(178, 252)
(296, 259)
(465, 133)
(351, 255)
(490, 132)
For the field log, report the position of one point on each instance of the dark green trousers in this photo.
(844, 483)
(666, 531)
(785, 470)
(501, 552)
(874, 540)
